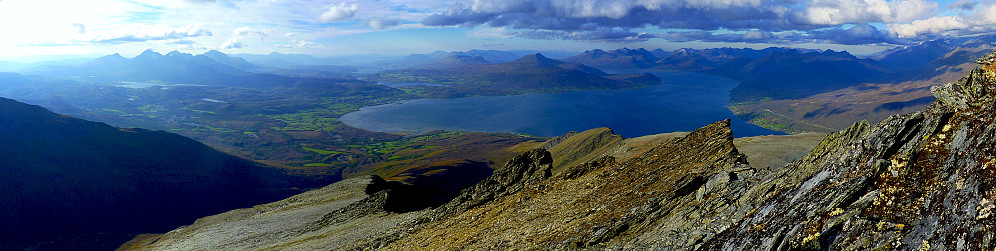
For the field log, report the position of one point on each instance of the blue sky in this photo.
(33, 28)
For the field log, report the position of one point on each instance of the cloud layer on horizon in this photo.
(360, 26)
(848, 22)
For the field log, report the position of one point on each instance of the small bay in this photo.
(685, 102)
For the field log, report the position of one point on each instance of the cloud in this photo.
(599, 35)
(80, 28)
(248, 31)
(233, 43)
(934, 25)
(859, 34)
(573, 15)
(189, 31)
(855, 35)
(491, 32)
(380, 23)
(183, 42)
(965, 5)
(754, 21)
(834, 12)
(339, 12)
(728, 37)
(981, 21)
(301, 44)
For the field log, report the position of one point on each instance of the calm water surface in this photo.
(685, 102)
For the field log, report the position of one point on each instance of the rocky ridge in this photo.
(917, 181)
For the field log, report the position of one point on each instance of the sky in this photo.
(38, 29)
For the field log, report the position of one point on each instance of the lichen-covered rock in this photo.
(919, 181)
(969, 91)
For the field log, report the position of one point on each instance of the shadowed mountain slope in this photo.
(76, 184)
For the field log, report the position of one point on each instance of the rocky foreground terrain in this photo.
(921, 181)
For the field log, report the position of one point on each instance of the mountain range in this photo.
(174, 67)
(529, 73)
(617, 59)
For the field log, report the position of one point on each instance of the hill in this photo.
(75, 184)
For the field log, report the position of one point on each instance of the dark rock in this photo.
(917, 181)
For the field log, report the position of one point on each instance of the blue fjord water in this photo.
(685, 102)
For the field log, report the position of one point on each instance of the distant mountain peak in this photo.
(174, 54)
(149, 55)
(537, 58)
(115, 56)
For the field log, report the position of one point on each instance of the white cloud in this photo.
(248, 31)
(301, 44)
(380, 23)
(233, 43)
(490, 32)
(155, 33)
(339, 12)
(80, 28)
(835, 12)
(934, 25)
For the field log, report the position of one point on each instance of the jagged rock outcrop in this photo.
(525, 170)
(917, 181)
(599, 204)
(971, 90)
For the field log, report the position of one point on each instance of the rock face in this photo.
(917, 181)
(925, 181)
(69, 183)
(663, 193)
